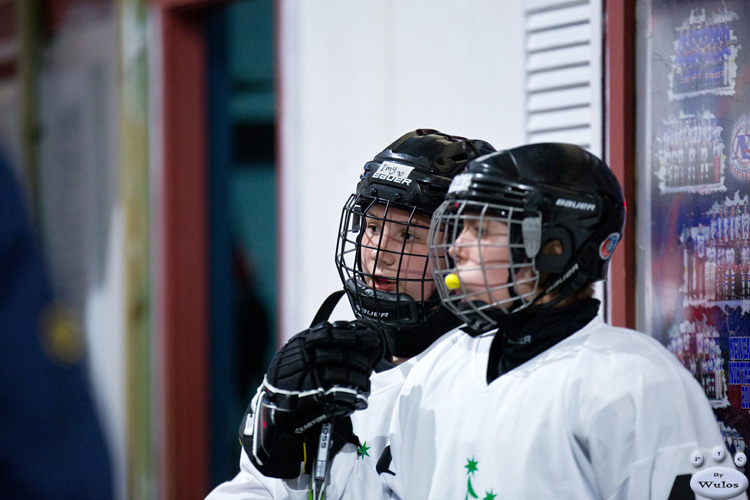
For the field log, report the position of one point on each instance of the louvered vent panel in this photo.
(542, 5)
(564, 72)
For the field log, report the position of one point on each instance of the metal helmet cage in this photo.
(393, 308)
(407, 180)
(448, 222)
(541, 193)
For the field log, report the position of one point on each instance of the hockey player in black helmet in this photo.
(543, 399)
(382, 250)
(563, 211)
(324, 372)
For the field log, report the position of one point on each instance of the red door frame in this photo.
(619, 148)
(185, 314)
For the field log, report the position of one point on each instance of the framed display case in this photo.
(693, 189)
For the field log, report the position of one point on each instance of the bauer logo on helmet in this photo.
(576, 205)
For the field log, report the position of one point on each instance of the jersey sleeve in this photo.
(250, 484)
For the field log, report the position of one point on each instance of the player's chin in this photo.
(473, 279)
(418, 294)
(411, 288)
(475, 299)
(472, 291)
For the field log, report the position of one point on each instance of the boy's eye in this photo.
(478, 228)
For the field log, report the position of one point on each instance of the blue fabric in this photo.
(51, 443)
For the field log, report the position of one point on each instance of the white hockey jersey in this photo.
(607, 413)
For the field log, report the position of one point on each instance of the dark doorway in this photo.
(242, 126)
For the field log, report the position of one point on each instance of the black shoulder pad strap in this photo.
(327, 308)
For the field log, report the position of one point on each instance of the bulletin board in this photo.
(693, 181)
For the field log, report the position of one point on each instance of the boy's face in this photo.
(394, 252)
(483, 262)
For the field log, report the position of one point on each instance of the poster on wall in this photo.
(693, 175)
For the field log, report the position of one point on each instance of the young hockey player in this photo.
(542, 400)
(550, 402)
(324, 372)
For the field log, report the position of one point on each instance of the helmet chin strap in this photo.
(517, 302)
(409, 326)
(386, 310)
(566, 285)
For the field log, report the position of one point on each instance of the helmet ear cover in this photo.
(554, 263)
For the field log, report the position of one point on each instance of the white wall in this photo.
(354, 76)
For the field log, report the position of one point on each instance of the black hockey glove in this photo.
(320, 374)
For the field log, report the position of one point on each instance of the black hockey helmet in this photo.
(430, 159)
(402, 185)
(542, 192)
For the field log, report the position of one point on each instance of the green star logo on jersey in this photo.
(471, 468)
(362, 451)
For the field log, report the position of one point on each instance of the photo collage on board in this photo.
(700, 199)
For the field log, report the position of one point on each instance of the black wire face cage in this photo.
(382, 258)
(474, 285)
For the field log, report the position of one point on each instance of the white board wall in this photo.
(354, 76)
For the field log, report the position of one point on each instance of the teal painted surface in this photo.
(250, 25)
(242, 217)
(253, 211)
(251, 60)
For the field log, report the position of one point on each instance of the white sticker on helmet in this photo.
(460, 182)
(393, 172)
